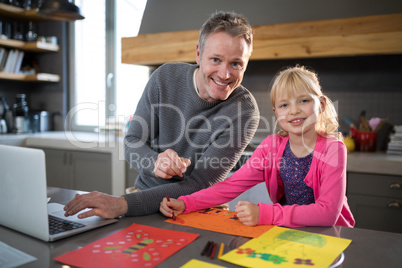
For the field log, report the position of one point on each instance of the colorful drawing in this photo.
(288, 248)
(218, 220)
(314, 240)
(137, 245)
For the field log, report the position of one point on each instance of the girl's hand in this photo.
(173, 206)
(247, 212)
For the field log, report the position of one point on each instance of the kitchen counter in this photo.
(359, 162)
(375, 163)
(78, 141)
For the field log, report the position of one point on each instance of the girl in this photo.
(303, 166)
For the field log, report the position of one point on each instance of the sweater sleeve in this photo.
(330, 168)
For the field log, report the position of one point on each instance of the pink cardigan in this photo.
(327, 178)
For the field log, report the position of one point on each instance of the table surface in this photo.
(368, 248)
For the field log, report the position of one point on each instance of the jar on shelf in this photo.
(21, 118)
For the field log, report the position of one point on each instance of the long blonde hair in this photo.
(298, 79)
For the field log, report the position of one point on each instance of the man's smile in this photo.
(220, 83)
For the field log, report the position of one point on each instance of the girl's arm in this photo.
(329, 195)
(249, 175)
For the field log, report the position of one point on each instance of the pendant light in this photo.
(60, 10)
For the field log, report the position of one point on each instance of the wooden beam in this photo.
(150, 49)
(372, 35)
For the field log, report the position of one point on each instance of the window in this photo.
(104, 89)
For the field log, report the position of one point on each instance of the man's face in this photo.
(222, 62)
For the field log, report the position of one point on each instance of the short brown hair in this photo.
(228, 22)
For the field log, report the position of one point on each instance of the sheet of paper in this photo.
(200, 264)
(283, 247)
(12, 257)
(221, 221)
(134, 246)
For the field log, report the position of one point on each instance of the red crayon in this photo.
(168, 199)
(213, 251)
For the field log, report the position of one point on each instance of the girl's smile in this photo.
(297, 121)
(297, 114)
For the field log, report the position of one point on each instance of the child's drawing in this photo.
(288, 248)
(311, 239)
(218, 220)
(137, 245)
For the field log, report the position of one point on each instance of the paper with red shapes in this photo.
(221, 221)
(135, 246)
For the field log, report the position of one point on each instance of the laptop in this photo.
(23, 198)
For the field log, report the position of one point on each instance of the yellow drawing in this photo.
(288, 248)
(200, 264)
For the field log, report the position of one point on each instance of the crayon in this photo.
(221, 250)
(206, 247)
(213, 251)
(209, 250)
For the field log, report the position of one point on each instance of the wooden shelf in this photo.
(372, 35)
(40, 47)
(40, 77)
(29, 46)
(9, 11)
(17, 13)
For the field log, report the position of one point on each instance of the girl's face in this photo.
(297, 114)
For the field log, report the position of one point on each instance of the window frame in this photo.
(110, 71)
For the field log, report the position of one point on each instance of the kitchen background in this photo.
(356, 83)
(52, 97)
(370, 83)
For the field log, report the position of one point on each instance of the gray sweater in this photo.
(170, 114)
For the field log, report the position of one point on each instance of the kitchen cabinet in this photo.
(371, 35)
(87, 171)
(18, 14)
(376, 201)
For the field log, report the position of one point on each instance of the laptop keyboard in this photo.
(57, 225)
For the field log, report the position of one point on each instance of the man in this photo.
(191, 125)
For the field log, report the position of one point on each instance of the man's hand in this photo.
(173, 206)
(247, 212)
(169, 164)
(100, 204)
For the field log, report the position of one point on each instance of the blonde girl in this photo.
(303, 166)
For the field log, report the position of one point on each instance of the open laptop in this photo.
(23, 197)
